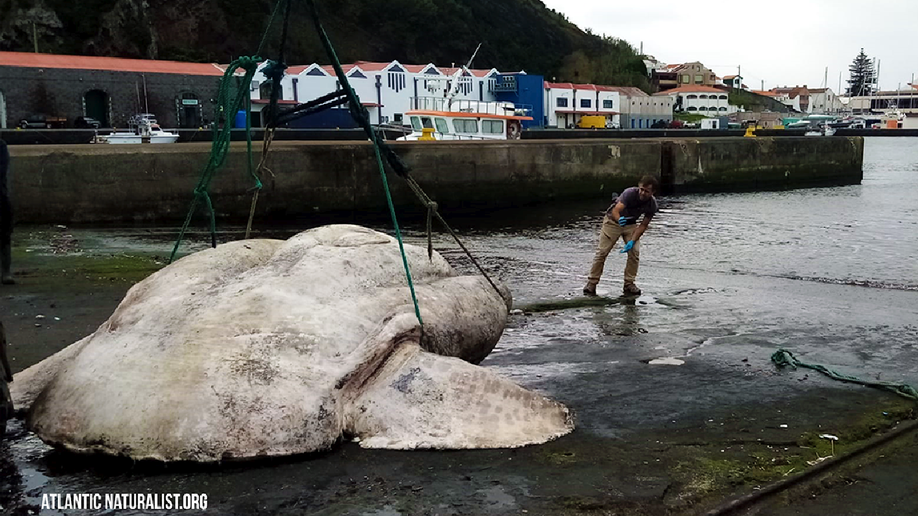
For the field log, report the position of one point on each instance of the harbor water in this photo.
(727, 279)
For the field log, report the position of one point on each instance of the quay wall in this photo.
(154, 183)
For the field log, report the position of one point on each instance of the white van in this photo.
(710, 123)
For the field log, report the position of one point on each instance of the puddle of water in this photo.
(666, 361)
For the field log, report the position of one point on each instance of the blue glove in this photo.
(622, 221)
(628, 247)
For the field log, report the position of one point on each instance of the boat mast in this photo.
(454, 87)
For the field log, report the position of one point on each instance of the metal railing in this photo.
(469, 106)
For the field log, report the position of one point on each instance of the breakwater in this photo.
(145, 183)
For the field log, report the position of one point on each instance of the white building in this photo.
(734, 81)
(566, 103)
(387, 90)
(824, 101)
(641, 111)
(701, 100)
(905, 101)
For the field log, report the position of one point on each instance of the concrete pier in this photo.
(111, 183)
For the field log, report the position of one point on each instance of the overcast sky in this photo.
(781, 43)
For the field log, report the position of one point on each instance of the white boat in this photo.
(819, 130)
(144, 130)
(463, 120)
(892, 119)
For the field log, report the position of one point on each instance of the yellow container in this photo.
(592, 122)
(427, 134)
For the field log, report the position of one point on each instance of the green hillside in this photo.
(515, 34)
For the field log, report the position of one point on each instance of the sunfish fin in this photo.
(423, 400)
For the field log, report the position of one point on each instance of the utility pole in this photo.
(35, 37)
(763, 84)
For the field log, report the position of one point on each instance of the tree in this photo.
(863, 78)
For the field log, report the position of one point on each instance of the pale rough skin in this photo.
(267, 348)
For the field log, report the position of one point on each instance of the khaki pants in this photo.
(609, 234)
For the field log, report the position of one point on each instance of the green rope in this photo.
(784, 358)
(228, 104)
(361, 115)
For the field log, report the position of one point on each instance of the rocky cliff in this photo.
(515, 34)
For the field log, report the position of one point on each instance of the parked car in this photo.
(86, 122)
(43, 122)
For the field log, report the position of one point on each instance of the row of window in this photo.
(585, 103)
(460, 125)
(699, 79)
(702, 108)
(703, 96)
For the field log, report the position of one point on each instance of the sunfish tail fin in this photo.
(423, 400)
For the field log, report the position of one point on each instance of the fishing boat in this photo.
(820, 129)
(143, 129)
(448, 119)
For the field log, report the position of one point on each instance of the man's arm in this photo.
(617, 211)
(642, 227)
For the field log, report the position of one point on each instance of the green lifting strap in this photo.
(227, 105)
(784, 358)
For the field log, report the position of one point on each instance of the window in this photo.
(607, 104)
(396, 80)
(699, 79)
(702, 108)
(492, 126)
(692, 108)
(691, 96)
(398, 117)
(585, 103)
(264, 91)
(684, 79)
(702, 96)
(442, 126)
(562, 102)
(416, 124)
(722, 109)
(427, 122)
(723, 97)
(465, 126)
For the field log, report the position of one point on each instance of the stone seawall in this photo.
(145, 183)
